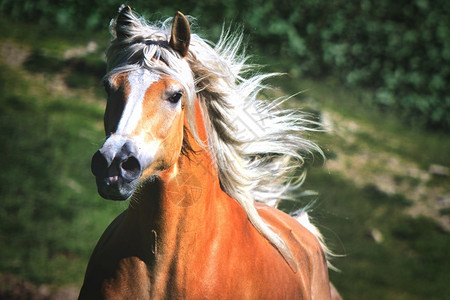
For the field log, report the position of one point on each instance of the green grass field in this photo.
(377, 205)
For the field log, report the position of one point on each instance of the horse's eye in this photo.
(175, 98)
(109, 87)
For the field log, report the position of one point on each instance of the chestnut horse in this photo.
(203, 162)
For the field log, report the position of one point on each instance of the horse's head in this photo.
(144, 118)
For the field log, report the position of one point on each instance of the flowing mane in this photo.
(255, 144)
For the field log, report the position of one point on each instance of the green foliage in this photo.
(400, 49)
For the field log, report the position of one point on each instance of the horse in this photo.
(204, 163)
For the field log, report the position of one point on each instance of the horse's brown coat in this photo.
(183, 237)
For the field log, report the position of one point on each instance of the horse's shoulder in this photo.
(304, 246)
(113, 270)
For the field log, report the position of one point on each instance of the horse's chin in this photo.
(114, 196)
(119, 191)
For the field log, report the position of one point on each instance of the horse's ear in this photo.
(181, 34)
(123, 21)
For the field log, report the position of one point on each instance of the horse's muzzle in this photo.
(116, 173)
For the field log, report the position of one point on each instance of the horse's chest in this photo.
(215, 278)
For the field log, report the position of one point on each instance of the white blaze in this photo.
(140, 80)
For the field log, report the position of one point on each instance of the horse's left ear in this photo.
(181, 34)
(124, 22)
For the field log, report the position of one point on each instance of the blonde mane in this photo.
(256, 145)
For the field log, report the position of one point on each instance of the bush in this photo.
(400, 50)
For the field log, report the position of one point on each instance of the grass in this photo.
(51, 216)
(410, 262)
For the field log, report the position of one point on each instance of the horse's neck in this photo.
(184, 197)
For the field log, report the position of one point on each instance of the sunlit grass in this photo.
(389, 132)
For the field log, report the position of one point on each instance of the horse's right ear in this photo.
(180, 36)
(123, 22)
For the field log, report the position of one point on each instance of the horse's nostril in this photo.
(130, 164)
(99, 164)
(131, 168)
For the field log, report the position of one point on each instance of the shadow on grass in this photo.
(79, 72)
